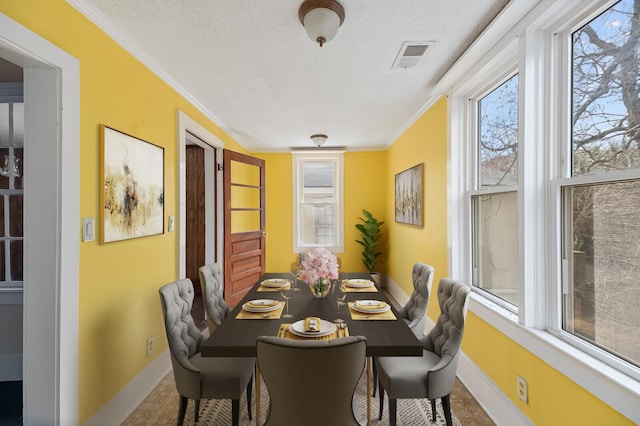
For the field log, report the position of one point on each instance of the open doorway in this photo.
(200, 219)
(51, 220)
(11, 240)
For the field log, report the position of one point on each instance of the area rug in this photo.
(411, 412)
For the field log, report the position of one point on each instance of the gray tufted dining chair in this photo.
(433, 374)
(414, 312)
(212, 292)
(197, 377)
(311, 382)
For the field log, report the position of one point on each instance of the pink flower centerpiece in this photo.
(318, 268)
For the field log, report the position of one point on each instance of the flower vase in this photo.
(320, 288)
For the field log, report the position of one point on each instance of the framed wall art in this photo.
(132, 187)
(409, 196)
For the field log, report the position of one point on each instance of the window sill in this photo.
(11, 296)
(611, 386)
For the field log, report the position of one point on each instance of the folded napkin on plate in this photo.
(311, 324)
(371, 305)
(262, 303)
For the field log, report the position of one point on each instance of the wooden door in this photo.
(244, 224)
(195, 214)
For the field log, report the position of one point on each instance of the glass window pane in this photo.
(245, 220)
(15, 215)
(498, 135)
(4, 168)
(244, 197)
(602, 302)
(606, 88)
(318, 224)
(2, 268)
(4, 124)
(1, 218)
(18, 124)
(318, 175)
(245, 174)
(496, 245)
(16, 260)
(18, 158)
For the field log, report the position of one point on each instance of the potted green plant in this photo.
(370, 229)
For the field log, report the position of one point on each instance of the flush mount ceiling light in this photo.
(321, 19)
(318, 140)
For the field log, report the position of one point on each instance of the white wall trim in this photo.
(211, 143)
(394, 289)
(131, 396)
(52, 224)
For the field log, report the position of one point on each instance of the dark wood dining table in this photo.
(237, 337)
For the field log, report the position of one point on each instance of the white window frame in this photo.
(326, 156)
(537, 38)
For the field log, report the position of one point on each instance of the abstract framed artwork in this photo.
(409, 196)
(132, 194)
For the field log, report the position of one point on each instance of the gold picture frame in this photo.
(408, 200)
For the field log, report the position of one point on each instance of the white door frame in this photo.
(51, 224)
(211, 145)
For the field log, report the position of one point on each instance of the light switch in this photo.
(171, 223)
(88, 233)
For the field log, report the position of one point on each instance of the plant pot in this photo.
(320, 289)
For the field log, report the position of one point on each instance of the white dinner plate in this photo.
(261, 305)
(365, 306)
(274, 282)
(359, 283)
(326, 327)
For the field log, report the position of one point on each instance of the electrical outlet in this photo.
(523, 393)
(150, 345)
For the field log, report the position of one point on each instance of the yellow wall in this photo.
(424, 142)
(364, 188)
(119, 305)
(553, 398)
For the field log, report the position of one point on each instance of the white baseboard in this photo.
(496, 404)
(397, 293)
(127, 400)
(10, 367)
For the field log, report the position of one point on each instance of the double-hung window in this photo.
(600, 190)
(494, 196)
(318, 200)
(545, 183)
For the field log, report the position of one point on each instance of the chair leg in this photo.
(393, 408)
(433, 410)
(235, 412)
(196, 414)
(381, 394)
(375, 377)
(182, 409)
(249, 387)
(446, 406)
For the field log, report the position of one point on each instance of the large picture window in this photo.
(317, 201)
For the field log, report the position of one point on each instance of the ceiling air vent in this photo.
(410, 54)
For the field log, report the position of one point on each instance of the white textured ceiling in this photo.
(250, 65)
